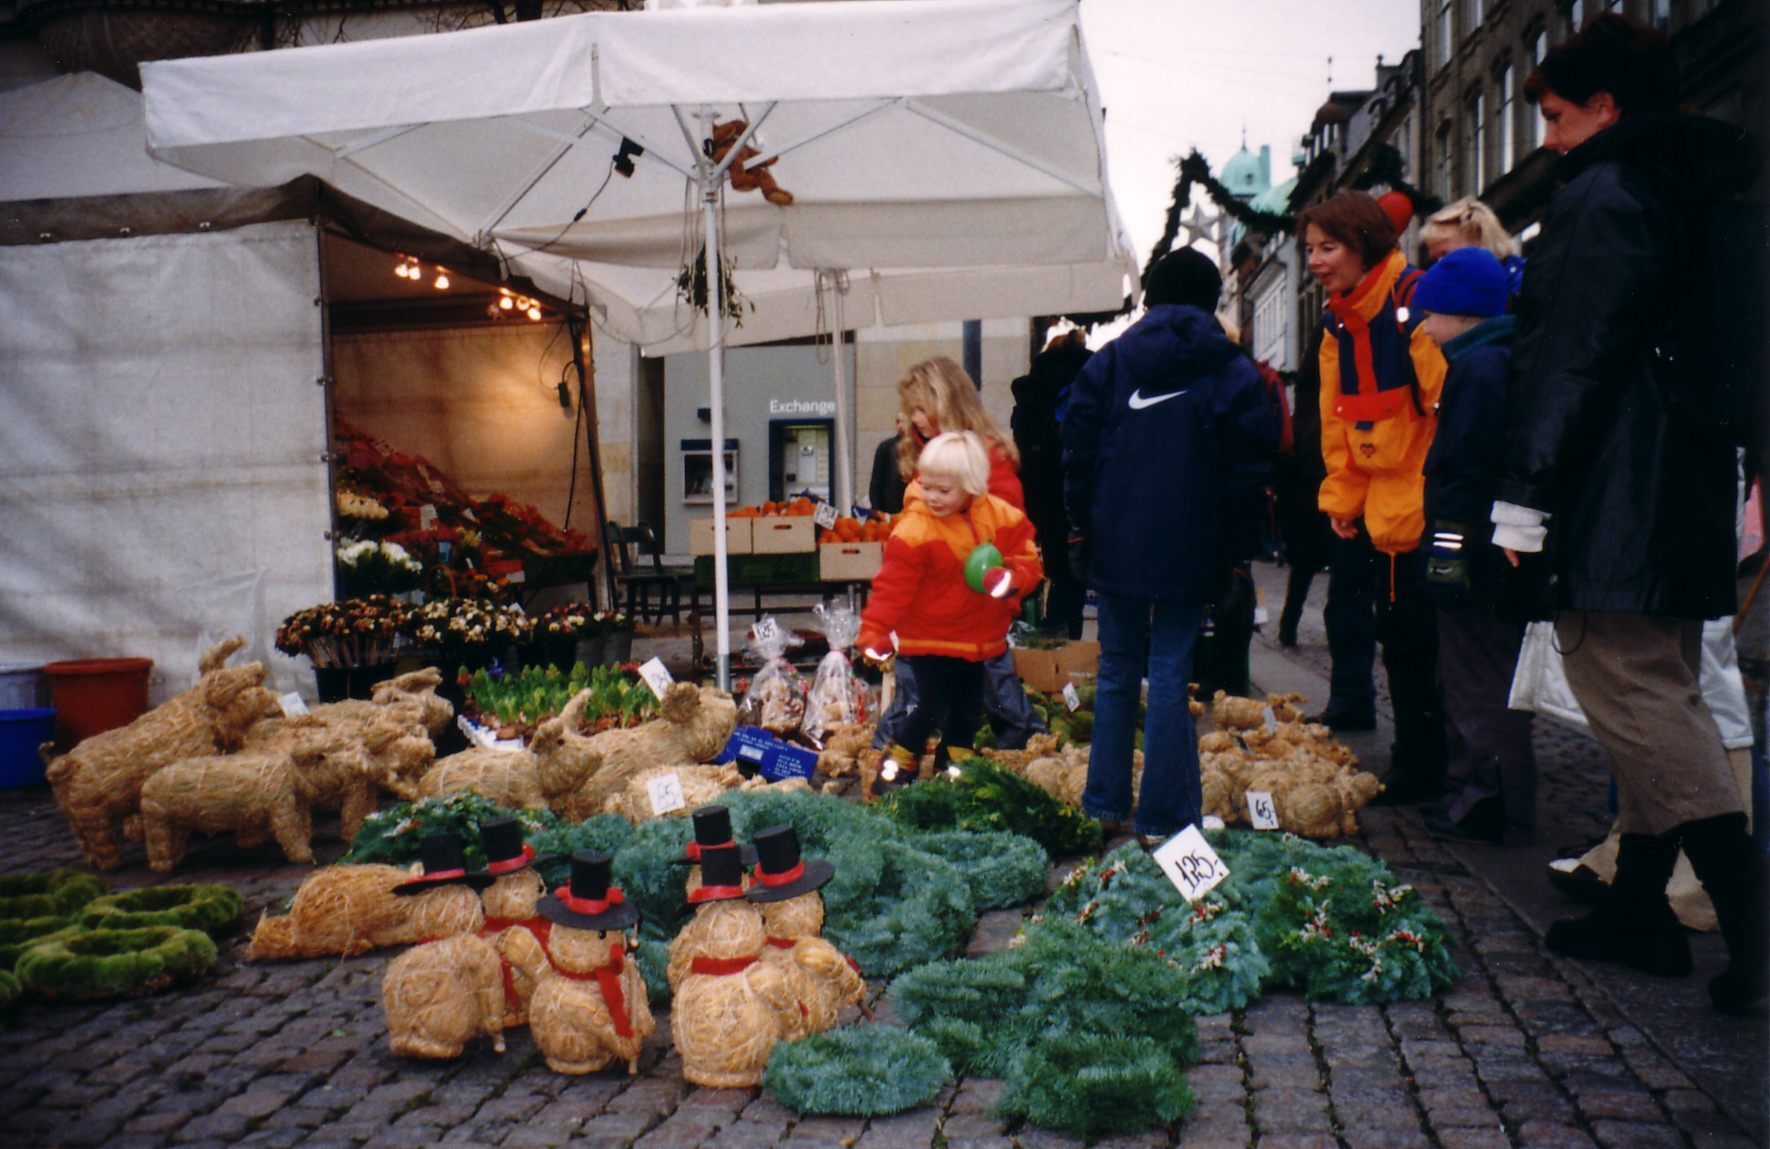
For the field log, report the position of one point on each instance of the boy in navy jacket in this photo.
(1491, 774)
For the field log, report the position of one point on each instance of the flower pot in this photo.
(93, 695)
(21, 732)
(590, 649)
(23, 687)
(362, 680)
(617, 646)
(332, 683)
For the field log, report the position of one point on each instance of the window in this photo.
(1662, 14)
(1476, 15)
(1539, 43)
(1576, 15)
(1447, 19)
(1477, 143)
(1503, 116)
(1444, 140)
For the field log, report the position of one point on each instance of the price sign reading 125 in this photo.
(1191, 864)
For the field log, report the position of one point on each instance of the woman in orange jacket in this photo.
(957, 559)
(1381, 376)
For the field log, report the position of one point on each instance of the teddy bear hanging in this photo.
(745, 178)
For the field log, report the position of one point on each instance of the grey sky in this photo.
(1178, 74)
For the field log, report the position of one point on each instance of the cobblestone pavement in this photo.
(1525, 1051)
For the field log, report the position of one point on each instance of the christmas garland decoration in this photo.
(19, 935)
(47, 893)
(856, 1071)
(1001, 869)
(1386, 167)
(210, 908)
(115, 963)
(1095, 1084)
(986, 797)
(9, 988)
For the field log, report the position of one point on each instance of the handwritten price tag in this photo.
(656, 675)
(426, 516)
(766, 629)
(1071, 699)
(666, 793)
(825, 516)
(1261, 811)
(1191, 864)
(291, 704)
(1269, 719)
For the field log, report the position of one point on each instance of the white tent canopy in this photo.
(947, 156)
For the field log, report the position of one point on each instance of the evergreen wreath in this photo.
(9, 988)
(958, 1003)
(47, 893)
(920, 910)
(653, 959)
(856, 1071)
(986, 797)
(1095, 1083)
(19, 935)
(210, 908)
(1001, 869)
(115, 963)
(391, 836)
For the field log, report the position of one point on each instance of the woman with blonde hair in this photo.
(1470, 223)
(937, 395)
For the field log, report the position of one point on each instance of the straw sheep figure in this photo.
(590, 1009)
(512, 923)
(693, 726)
(558, 758)
(786, 887)
(730, 1008)
(844, 748)
(347, 910)
(440, 995)
(98, 783)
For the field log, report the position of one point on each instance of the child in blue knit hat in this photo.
(1491, 774)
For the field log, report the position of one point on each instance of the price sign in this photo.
(825, 515)
(766, 630)
(426, 516)
(1191, 864)
(1262, 813)
(1071, 698)
(666, 793)
(291, 704)
(1271, 720)
(656, 675)
(515, 577)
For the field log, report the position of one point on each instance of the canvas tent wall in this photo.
(163, 430)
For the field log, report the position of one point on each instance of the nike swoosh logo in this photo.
(1138, 402)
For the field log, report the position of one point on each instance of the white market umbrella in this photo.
(948, 155)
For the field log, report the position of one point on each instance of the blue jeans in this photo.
(1351, 618)
(1139, 636)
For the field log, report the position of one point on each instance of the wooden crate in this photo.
(783, 535)
(839, 562)
(738, 536)
(1048, 671)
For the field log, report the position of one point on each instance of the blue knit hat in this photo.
(1468, 281)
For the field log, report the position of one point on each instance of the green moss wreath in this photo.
(856, 1071)
(115, 963)
(17, 936)
(210, 908)
(1095, 1084)
(47, 893)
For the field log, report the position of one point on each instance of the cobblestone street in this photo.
(1526, 1051)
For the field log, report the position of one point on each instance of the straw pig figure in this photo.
(98, 783)
(348, 910)
(557, 759)
(693, 726)
(590, 1009)
(731, 1007)
(441, 995)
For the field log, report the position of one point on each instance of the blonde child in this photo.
(944, 598)
(1470, 223)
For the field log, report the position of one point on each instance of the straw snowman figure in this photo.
(513, 925)
(786, 887)
(348, 910)
(440, 995)
(731, 1008)
(590, 1009)
(712, 831)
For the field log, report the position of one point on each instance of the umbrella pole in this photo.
(716, 401)
(844, 486)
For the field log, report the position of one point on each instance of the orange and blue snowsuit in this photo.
(920, 591)
(1381, 376)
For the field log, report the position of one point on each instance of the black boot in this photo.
(1731, 869)
(1633, 923)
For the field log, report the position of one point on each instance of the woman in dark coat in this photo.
(1632, 503)
(1041, 397)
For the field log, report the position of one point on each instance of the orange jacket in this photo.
(1376, 468)
(920, 591)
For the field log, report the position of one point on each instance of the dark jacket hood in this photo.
(1176, 339)
(1050, 373)
(1697, 157)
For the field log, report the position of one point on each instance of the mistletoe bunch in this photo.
(352, 632)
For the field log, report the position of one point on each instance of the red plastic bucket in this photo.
(92, 695)
(21, 733)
